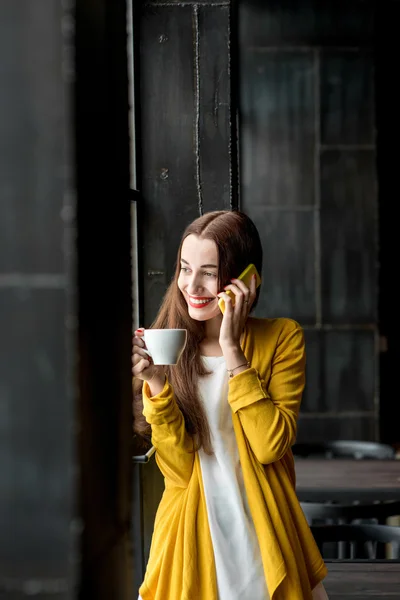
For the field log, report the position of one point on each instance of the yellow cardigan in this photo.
(265, 401)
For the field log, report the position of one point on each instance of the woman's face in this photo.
(198, 278)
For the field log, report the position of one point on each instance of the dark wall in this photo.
(187, 147)
(37, 317)
(309, 179)
(309, 176)
(65, 302)
(188, 137)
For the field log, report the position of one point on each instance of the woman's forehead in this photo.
(197, 249)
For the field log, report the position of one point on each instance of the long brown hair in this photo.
(238, 243)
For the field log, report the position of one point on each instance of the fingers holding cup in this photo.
(139, 366)
(141, 360)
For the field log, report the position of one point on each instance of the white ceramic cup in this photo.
(165, 346)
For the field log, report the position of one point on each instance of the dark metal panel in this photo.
(340, 376)
(348, 236)
(187, 152)
(277, 128)
(284, 42)
(317, 429)
(306, 23)
(349, 376)
(37, 389)
(214, 126)
(288, 288)
(36, 497)
(182, 3)
(313, 399)
(347, 105)
(169, 178)
(31, 137)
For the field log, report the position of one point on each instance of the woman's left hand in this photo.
(235, 316)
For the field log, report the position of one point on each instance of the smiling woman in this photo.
(222, 421)
(214, 249)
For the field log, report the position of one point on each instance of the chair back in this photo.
(364, 539)
(350, 449)
(347, 513)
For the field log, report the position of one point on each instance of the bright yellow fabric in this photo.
(265, 401)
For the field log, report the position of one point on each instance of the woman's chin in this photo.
(203, 314)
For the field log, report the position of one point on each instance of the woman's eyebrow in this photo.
(201, 266)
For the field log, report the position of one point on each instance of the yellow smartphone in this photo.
(245, 276)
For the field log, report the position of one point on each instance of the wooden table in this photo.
(362, 580)
(347, 480)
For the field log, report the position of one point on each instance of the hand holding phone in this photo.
(245, 276)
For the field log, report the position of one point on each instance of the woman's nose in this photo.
(194, 285)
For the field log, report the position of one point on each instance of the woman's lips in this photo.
(205, 302)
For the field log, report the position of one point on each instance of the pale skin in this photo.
(198, 283)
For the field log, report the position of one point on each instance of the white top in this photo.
(239, 570)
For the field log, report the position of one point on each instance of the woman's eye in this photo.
(205, 273)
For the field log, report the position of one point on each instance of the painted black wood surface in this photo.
(309, 179)
(185, 67)
(187, 124)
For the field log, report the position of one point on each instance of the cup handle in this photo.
(147, 352)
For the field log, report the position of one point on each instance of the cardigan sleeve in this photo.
(174, 445)
(268, 415)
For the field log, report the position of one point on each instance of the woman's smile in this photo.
(199, 301)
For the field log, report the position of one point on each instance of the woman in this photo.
(229, 525)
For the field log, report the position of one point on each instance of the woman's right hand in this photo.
(142, 365)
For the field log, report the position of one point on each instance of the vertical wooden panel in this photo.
(340, 377)
(347, 104)
(186, 149)
(277, 129)
(32, 109)
(348, 236)
(36, 499)
(38, 553)
(214, 127)
(307, 79)
(313, 398)
(306, 23)
(350, 378)
(288, 288)
(170, 197)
